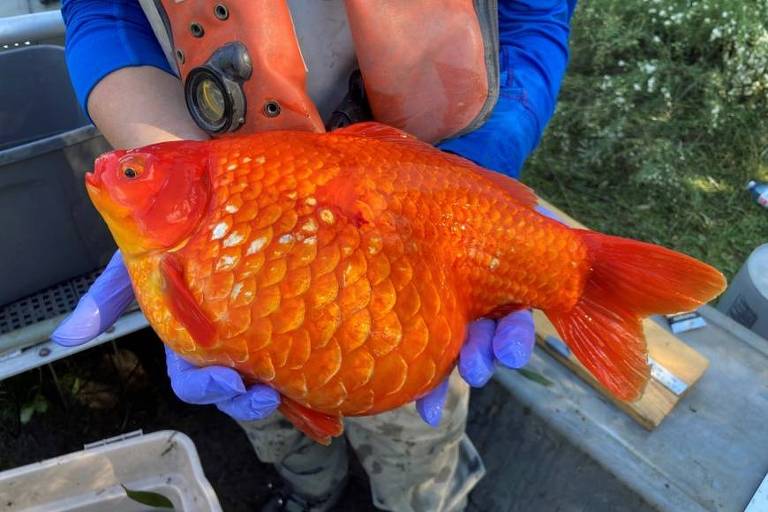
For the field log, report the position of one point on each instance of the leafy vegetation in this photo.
(662, 119)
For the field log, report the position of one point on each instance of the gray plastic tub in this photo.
(50, 230)
(92, 480)
(746, 299)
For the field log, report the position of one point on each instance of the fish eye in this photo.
(130, 172)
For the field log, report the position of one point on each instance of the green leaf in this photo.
(151, 499)
(535, 377)
(27, 410)
(40, 404)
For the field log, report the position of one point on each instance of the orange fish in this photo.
(343, 268)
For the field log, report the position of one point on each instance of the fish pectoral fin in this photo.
(317, 426)
(183, 305)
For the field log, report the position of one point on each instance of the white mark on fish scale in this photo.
(236, 288)
(327, 216)
(219, 230)
(259, 159)
(256, 246)
(494, 264)
(312, 240)
(225, 262)
(231, 167)
(310, 226)
(233, 239)
(246, 159)
(292, 194)
(231, 208)
(286, 239)
(310, 201)
(299, 237)
(375, 245)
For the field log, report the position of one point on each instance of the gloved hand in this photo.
(105, 301)
(221, 386)
(508, 342)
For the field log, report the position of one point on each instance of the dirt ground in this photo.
(100, 395)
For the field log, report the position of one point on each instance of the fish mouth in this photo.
(92, 180)
(93, 185)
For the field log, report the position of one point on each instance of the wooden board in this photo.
(668, 351)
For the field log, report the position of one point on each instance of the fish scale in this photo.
(342, 269)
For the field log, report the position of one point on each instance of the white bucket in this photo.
(91, 480)
(746, 299)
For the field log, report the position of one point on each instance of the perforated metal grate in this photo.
(56, 300)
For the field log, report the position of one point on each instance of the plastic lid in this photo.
(757, 266)
(751, 184)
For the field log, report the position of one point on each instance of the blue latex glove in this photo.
(105, 301)
(508, 342)
(222, 387)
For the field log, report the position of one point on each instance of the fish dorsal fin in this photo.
(519, 192)
(373, 130)
(182, 304)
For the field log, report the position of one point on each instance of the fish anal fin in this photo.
(317, 426)
(609, 342)
(183, 305)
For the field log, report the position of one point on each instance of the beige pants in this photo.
(412, 466)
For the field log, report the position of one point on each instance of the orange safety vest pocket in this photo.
(430, 66)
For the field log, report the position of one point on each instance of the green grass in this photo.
(662, 119)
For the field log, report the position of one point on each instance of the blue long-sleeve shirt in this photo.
(106, 35)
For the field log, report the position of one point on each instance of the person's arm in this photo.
(120, 74)
(533, 37)
(137, 106)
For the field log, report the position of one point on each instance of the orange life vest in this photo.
(430, 67)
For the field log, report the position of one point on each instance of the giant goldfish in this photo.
(342, 268)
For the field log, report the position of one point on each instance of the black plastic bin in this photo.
(50, 231)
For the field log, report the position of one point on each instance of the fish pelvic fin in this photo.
(316, 425)
(628, 281)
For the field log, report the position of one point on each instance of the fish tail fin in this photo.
(629, 280)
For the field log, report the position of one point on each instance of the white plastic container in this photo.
(746, 299)
(164, 462)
